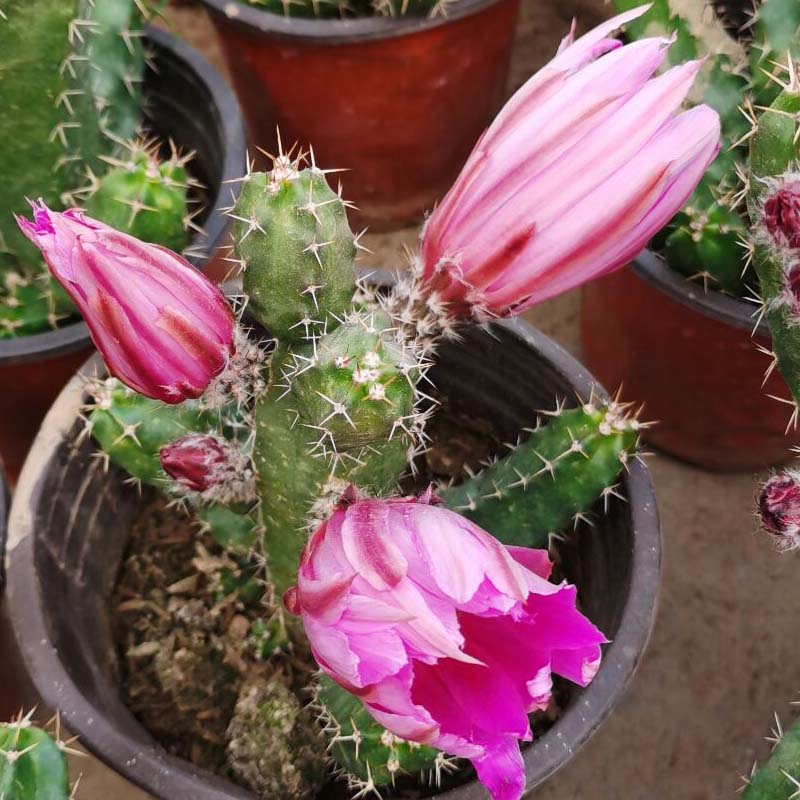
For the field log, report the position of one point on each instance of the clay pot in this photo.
(692, 358)
(189, 103)
(70, 525)
(397, 101)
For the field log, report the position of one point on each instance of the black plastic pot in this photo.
(70, 524)
(188, 102)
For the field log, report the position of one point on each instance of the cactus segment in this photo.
(143, 197)
(776, 34)
(33, 764)
(363, 750)
(779, 777)
(235, 531)
(773, 152)
(292, 238)
(339, 411)
(30, 305)
(550, 479)
(274, 744)
(132, 429)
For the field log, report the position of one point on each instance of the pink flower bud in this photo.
(586, 162)
(782, 215)
(162, 327)
(197, 462)
(448, 637)
(779, 508)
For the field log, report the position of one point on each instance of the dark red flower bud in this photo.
(782, 215)
(779, 508)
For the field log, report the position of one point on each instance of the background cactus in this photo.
(779, 777)
(33, 763)
(703, 240)
(353, 8)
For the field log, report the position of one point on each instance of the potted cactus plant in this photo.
(327, 436)
(75, 140)
(398, 92)
(681, 327)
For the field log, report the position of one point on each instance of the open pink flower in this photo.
(162, 327)
(586, 162)
(448, 637)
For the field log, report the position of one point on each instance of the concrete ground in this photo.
(722, 657)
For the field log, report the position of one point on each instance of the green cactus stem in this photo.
(274, 744)
(552, 478)
(69, 93)
(143, 196)
(779, 777)
(297, 250)
(339, 411)
(774, 149)
(30, 305)
(368, 755)
(33, 764)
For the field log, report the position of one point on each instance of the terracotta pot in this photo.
(70, 525)
(690, 356)
(189, 103)
(399, 102)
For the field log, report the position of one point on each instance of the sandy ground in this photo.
(722, 656)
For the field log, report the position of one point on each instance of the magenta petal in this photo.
(502, 771)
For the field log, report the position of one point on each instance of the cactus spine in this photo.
(552, 478)
(33, 764)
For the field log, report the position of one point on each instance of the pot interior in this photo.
(85, 512)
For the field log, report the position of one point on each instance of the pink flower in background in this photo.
(447, 636)
(586, 162)
(162, 327)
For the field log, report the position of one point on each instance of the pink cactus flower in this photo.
(197, 461)
(447, 636)
(586, 162)
(162, 327)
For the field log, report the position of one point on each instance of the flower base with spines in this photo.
(551, 479)
(33, 763)
(143, 196)
(85, 62)
(296, 249)
(274, 744)
(367, 755)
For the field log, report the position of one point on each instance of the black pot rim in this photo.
(74, 337)
(337, 31)
(717, 305)
(144, 765)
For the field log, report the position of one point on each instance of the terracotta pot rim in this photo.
(75, 336)
(337, 31)
(717, 305)
(147, 764)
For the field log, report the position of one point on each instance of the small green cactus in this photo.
(274, 744)
(143, 196)
(368, 755)
(297, 250)
(552, 478)
(33, 763)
